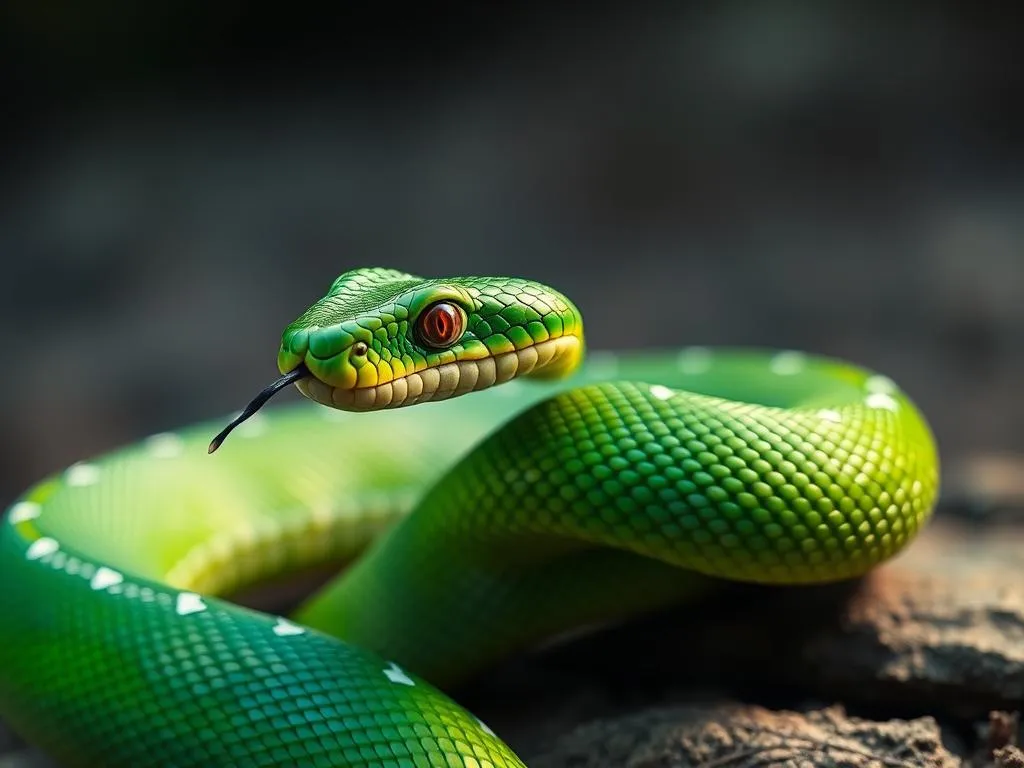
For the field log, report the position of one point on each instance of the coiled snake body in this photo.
(476, 527)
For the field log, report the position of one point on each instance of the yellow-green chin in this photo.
(552, 357)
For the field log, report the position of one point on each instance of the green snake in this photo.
(577, 492)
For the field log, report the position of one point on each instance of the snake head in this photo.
(381, 338)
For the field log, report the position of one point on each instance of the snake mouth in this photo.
(447, 380)
(438, 383)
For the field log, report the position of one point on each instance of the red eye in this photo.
(440, 325)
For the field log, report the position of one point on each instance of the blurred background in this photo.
(179, 181)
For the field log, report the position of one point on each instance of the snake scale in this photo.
(566, 490)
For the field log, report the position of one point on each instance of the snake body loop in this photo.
(475, 527)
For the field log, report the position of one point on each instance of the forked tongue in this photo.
(258, 402)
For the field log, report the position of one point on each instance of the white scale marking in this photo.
(41, 548)
(82, 474)
(880, 384)
(661, 392)
(189, 602)
(165, 445)
(829, 415)
(694, 360)
(788, 363)
(22, 511)
(882, 400)
(285, 628)
(105, 577)
(395, 674)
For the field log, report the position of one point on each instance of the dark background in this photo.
(179, 181)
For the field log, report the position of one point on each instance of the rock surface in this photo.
(744, 736)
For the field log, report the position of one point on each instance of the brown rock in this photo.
(733, 735)
(944, 624)
(1009, 757)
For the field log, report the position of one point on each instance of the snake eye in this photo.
(440, 325)
(359, 349)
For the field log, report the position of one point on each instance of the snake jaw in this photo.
(452, 379)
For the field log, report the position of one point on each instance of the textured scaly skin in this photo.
(535, 506)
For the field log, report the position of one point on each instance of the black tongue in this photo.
(258, 402)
